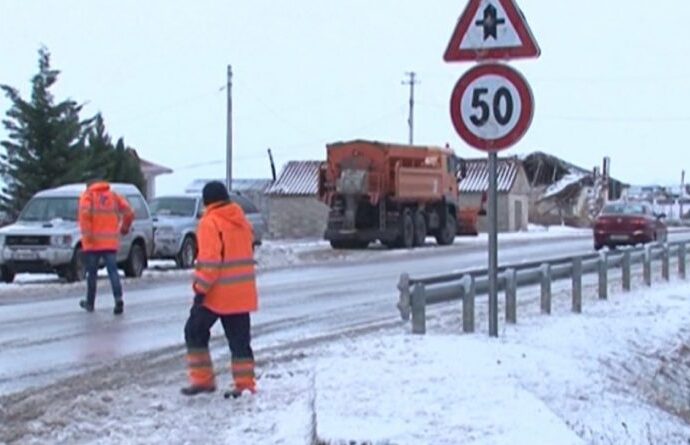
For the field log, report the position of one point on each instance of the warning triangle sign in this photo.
(491, 29)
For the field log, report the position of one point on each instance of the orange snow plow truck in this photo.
(396, 194)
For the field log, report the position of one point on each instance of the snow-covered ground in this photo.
(616, 374)
(287, 253)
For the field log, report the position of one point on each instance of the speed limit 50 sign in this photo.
(492, 107)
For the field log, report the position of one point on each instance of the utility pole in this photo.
(228, 143)
(411, 82)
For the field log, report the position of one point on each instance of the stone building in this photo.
(513, 193)
(294, 208)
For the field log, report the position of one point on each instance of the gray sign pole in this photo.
(493, 246)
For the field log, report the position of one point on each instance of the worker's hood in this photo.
(230, 213)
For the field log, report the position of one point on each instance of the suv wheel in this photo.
(76, 270)
(136, 261)
(7, 274)
(185, 258)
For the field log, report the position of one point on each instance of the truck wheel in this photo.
(185, 258)
(76, 269)
(136, 261)
(419, 228)
(406, 236)
(446, 235)
(7, 274)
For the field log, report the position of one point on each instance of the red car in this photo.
(622, 223)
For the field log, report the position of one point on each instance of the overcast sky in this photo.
(612, 79)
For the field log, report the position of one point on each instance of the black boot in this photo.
(193, 390)
(119, 307)
(88, 307)
(236, 393)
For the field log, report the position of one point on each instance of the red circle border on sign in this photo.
(526, 113)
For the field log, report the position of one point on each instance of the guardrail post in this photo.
(546, 288)
(468, 304)
(603, 275)
(511, 296)
(418, 309)
(577, 285)
(665, 274)
(647, 265)
(626, 271)
(404, 302)
(681, 261)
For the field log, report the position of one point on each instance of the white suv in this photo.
(46, 236)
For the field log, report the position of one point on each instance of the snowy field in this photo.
(616, 374)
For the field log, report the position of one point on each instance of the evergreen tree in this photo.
(99, 150)
(114, 163)
(126, 166)
(46, 144)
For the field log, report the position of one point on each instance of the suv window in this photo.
(141, 210)
(46, 209)
(174, 206)
(244, 202)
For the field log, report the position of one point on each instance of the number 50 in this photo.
(502, 117)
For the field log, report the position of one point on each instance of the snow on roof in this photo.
(151, 168)
(477, 179)
(298, 178)
(565, 182)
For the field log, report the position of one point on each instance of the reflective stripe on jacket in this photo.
(102, 213)
(224, 269)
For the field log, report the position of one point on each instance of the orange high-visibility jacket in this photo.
(102, 215)
(224, 269)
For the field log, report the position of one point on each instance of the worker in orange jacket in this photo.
(103, 217)
(225, 287)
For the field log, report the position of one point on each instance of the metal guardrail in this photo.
(417, 293)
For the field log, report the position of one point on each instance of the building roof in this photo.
(298, 178)
(152, 169)
(477, 178)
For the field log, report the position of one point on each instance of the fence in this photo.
(417, 293)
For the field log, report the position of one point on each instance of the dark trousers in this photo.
(91, 260)
(237, 327)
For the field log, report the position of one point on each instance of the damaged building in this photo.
(564, 193)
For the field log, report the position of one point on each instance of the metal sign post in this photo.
(491, 106)
(493, 245)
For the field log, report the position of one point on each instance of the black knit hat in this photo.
(214, 191)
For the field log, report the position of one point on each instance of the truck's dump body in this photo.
(378, 169)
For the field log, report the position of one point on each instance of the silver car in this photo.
(46, 236)
(175, 219)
